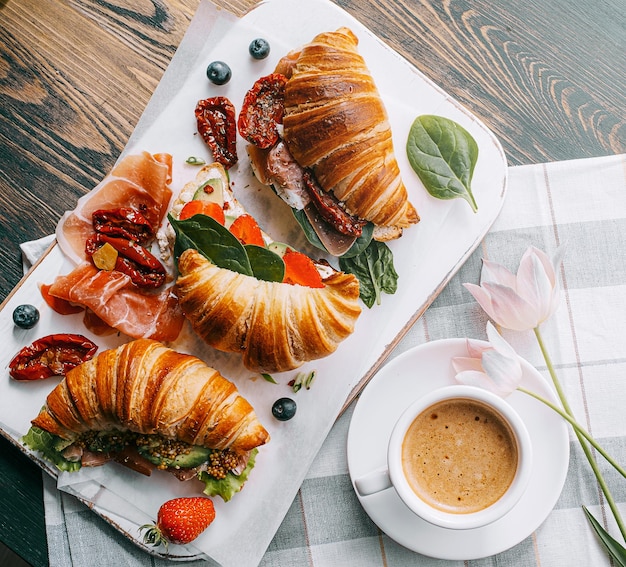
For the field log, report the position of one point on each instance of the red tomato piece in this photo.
(207, 208)
(300, 269)
(247, 230)
(262, 110)
(52, 355)
(216, 122)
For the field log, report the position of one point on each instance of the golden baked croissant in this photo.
(275, 326)
(147, 388)
(335, 124)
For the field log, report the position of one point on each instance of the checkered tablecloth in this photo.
(580, 203)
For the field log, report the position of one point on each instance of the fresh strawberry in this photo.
(180, 521)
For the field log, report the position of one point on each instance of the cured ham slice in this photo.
(141, 183)
(113, 298)
(138, 181)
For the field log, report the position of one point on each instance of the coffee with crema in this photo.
(459, 456)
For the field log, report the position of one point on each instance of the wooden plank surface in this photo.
(75, 75)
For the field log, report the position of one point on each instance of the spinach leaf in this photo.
(266, 265)
(221, 247)
(375, 271)
(443, 154)
(362, 242)
(212, 240)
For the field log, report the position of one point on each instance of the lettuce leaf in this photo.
(229, 485)
(46, 443)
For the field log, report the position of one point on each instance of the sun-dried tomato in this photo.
(262, 110)
(217, 125)
(137, 262)
(125, 222)
(330, 210)
(53, 355)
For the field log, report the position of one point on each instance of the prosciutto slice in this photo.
(140, 182)
(112, 297)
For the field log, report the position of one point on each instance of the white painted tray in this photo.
(426, 257)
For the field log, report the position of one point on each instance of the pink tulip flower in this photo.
(494, 366)
(523, 301)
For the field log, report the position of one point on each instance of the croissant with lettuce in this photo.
(148, 406)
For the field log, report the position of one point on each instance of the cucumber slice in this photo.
(279, 248)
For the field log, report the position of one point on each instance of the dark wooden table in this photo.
(548, 77)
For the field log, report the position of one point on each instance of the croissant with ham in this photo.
(276, 326)
(147, 404)
(336, 127)
(336, 124)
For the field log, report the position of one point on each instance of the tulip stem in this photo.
(580, 436)
(579, 428)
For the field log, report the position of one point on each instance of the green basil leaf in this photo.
(266, 265)
(614, 548)
(375, 271)
(360, 244)
(443, 154)
(212, 240)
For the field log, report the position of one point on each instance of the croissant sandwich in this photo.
(275, 326)
(244, 293)
(148, 406)
(334, 161)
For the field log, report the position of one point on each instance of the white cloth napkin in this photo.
(581, 203)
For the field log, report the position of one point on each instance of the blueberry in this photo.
(218, 72)
(284, 409)
(25, 316)
(259, 48)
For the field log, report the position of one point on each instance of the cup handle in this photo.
(373, 482)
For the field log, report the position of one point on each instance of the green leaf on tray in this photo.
(614, 548)
(443, 154)
(375, 271)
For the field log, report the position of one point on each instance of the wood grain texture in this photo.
(547, 77)
(75, 76)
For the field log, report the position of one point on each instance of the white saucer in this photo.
(405, 378)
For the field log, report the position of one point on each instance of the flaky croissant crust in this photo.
(335, 123)
(145, 387)
(275, 326)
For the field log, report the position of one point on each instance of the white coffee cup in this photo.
(494, 480)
